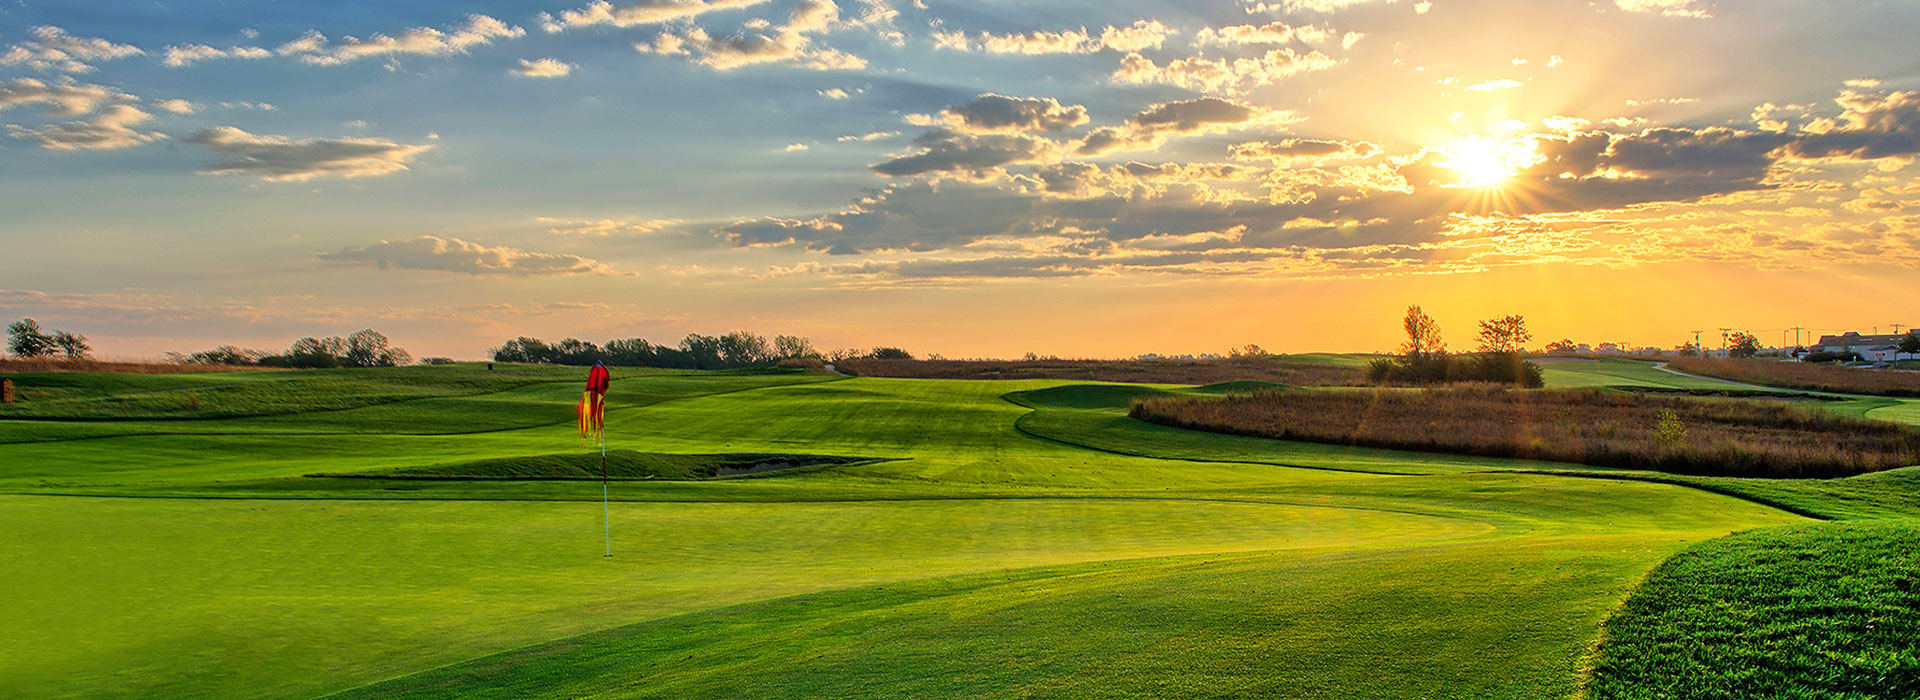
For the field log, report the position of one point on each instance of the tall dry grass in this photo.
(49, 364)
(1132, 371)
(1801, 375)
(1720, 437)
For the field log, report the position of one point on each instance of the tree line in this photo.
(363, 348)
(695, 351)
(1423, 358)
(25, 339)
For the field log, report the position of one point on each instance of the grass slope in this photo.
(1823, 611)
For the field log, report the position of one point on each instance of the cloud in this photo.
(314, 48)
(54, 50)
(974, 156)
(794, 147)
(1221, 75)
(1870, 126)
(1304, 149)
(1495, 85)
(869, 136)
(640, 13)
(789, 44)
(1270, 33)
(455, 255)
(543, 68)
(1149, 127)
(991, 113)
(176, 106)
(1669, 8)
(182, 56)
(1142, 34)
(604, 227)
(111, 130)
(1309, 5)
(63, 98)
(836, 93)
(278, 158)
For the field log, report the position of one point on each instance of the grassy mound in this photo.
(1823, 611)
(621, 464)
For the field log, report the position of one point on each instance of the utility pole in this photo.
(1897, 327)
(1696, 344)
(1723, 340)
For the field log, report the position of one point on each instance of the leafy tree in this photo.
(312, 353)
(1743, 345)
(523, 349)
(1561, 346)
(702, 351)
(25, 339)
(793, 346)
(574, 351)
(369, 348)
(1504, 335)
(631, 352)
(1690, 350)
(1423, 336)
(73, 345)
(224, 355)
(1910, 343)
(891, 353)
(743, 349)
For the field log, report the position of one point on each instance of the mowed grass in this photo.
(1820, 611)
(1035, 545)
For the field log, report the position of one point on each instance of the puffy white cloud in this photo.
(62, 98)
(1142, 34)
(1670, 8)
(314, 48)
(543, 68)
(790, 44)
(455, 255)
(1149, 127)
(112, 129)
(278, 158)
(974, 156)
(640, 13)
(53, 49)
(1270, 33)
(992, 113)
(176, 106)
(189, 54)
(1304, 149)
(1221, 75)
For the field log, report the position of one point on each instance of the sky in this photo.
(969, 179)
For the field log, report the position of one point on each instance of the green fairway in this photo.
(986, 539)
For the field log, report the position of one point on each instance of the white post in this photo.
(606, 508)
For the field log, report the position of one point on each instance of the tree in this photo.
(224, 355)
(523, 349)
(1561, 346)
(1743, 345)
(889, 353)
(1910, 343)
(740, 349)
(702, 351)
(1505, 335)
(1690, 350)
(73, 345)
(793, 346)
(369, 348)
(1423, 336)
(313, 353)
(25, 339)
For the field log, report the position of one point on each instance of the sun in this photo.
(1485, 161)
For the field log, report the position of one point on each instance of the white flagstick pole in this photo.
(606, 509)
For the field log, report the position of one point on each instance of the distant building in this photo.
(1874, 348)
(1854, 341)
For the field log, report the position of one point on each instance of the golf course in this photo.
(437, 532)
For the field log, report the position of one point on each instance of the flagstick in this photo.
(606, 510)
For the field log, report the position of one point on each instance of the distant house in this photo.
(1875, 348)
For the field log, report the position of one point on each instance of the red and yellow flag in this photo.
(593, 403)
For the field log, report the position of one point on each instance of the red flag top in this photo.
(598, 379)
